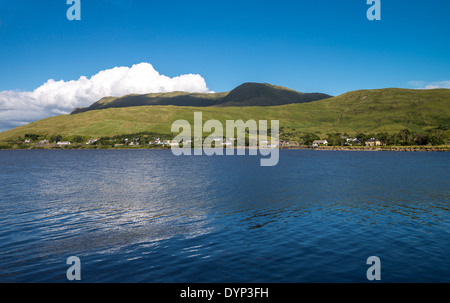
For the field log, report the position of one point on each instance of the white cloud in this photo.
(61, 97)
(428, 85)
(442, 84)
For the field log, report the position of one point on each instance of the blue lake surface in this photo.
(149, 216)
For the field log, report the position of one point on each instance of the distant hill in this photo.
(247, 94)
(368, 111)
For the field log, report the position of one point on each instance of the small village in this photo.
(157, 142)
(433, 139)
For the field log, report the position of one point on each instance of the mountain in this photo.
(368, 111)
(247, 94)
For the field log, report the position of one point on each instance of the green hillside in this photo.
(247, 94)
(367, 111)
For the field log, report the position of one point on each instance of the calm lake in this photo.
(149, 216)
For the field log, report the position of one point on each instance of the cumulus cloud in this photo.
(61, 97)
(432, 85)
(442, 84)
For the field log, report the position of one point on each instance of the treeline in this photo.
(405, 137)
(436, 136)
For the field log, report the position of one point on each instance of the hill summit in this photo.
(247, 94)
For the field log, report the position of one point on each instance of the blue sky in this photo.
(324, 46)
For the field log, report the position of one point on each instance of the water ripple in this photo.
(147, 216)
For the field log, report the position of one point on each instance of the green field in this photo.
(366, 111)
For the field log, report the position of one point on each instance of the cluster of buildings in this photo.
(158, 141)
(47, 142)
(217, 141)
(349, 142)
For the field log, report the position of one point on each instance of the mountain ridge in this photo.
(246, 94)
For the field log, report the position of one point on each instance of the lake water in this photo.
(148, 216)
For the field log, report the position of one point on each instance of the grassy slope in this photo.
(360, 111)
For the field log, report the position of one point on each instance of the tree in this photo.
(405, 137)
(55, 138)
(335, 139)
(364, 137)
(77, 139)
(436, 136)
(309, 138)
(383, 137)
(421, 139)
(32, 137)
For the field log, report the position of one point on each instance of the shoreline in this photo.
(416, 148)
(443, 148)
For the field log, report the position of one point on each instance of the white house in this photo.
(317, 143)
(60, 143)
(351, 141)
(155, 141)
(44, 142)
